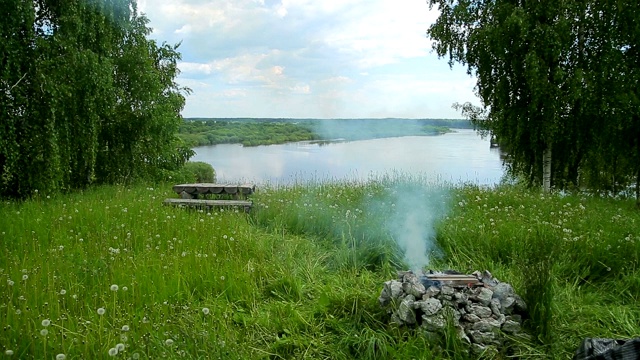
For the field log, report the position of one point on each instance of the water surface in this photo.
(461, 156)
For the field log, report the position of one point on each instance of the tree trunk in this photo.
(546, 169)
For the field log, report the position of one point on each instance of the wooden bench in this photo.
(192, 191)
(189, 194)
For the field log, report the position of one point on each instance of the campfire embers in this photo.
(478, 305)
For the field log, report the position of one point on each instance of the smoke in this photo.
(415, 212)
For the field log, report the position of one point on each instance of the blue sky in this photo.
(309, 58)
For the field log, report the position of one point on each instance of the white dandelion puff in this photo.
(44, 332)
(113, 352)
(61, 357)
(120, 347)
(205, 311)
(168, 342)
(46, 322)
(125, 327)
(8, 352)
(101, 311)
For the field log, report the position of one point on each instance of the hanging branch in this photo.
(16, 84)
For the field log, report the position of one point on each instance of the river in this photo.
(460, 156)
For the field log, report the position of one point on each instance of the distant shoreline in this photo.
(268, 131)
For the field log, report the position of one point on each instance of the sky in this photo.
(309, 58)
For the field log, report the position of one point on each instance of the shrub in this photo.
(202, 172)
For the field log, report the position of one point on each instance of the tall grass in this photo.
(299, 277)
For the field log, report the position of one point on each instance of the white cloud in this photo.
(349, 58)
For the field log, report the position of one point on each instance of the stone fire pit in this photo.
(482, 308)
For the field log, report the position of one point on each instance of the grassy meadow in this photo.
(110, 272)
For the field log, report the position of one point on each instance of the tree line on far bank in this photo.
(559, 83)
(267, 131)
(85, 97)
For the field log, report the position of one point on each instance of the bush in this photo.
(201, 171)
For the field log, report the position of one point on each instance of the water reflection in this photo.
(462, 156)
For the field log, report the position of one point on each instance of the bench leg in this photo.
(185, 195)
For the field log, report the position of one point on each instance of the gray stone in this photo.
(507, 304)
(479, 310)
(483, 296)
(395, 288)
(461, 298)
(520, 305)
(449, 303)
(432, 291)
(405, 310)
(488, 279)
(447, 290)
(396, 320)
(434, 322)
(430, 306)
(409, 277)
(477, 274)
(502, 291)
(480, 337)
(417, 290)
(494, 305)
(391, 290)
(511, 327)
(486, 325)
(462, 334)
(451, 313)
(500, 318)
(472, 318)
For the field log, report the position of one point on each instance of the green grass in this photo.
(299, 277)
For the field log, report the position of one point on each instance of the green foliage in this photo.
(201, 172)
(557, 75)
(86, 98)
(247, 132)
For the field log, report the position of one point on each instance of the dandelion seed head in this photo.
(63, 292)
(46, 322)
(168, 342)
(125, 327)
(44, 332)
(8, 352)
(10, 282)
(25, 277)
(205, 311)
(120, 347)
(101, 311)
(114, 287)
(135, 356)
(61, 357)
(113, 352)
